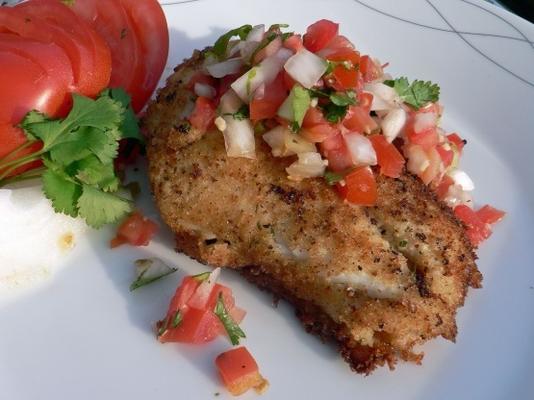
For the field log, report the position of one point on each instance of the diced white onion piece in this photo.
(393, 123)
(227, 67)
(230, 102)
(233, 48)
(384, 97)
(201, 89)
(360, 148)
(202, 294)
(462, 179)
(256, 34)
(220, 123)
(247, 49)
(425, 121)
(263, 73)
(239, 138)
(457, 196)
(283, 143)
(418, 160)
(308, 165)
(306, 68)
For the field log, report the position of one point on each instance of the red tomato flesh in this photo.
(203, 114)
(490, 215)
(12, 137)
(477, 231)
(345, 78)
(369, 69)
(390, 160)
(267, 106)
(196, 327)
(183, 294)
(136, 230)
(359, 188)
(457, 140)
(238, 370)
(319, 34)
(359, 120)
(294, 42)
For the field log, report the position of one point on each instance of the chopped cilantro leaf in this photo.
(99, 208)
(232, 329)
(63, 193)
(347, 98)
(334, 113)
(333, 177)
(417, 94)
(403, 243)
(220, 46)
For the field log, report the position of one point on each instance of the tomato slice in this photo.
(12, 137)
(135, 230)
(89, 54)
(490, 215)
(25, 86)
(319, 34)
(239, 371)
(203, 114)
(391, 162)
(150, 26)
(49, 56)
(110, 21)
(360, 187)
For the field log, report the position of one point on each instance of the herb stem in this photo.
(14, 164)
(17, 149)
(25, 176)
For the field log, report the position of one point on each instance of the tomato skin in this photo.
(319, 34)
(203, 114)
(360, 187)
(49, 21)
(150, 26)
(183, 294)
(490, 215)
(135, 230)
(369, 69)
(238, 370)
(459, 142)
(344, 54)
(26, 86)
(390, 160)
(228, 298)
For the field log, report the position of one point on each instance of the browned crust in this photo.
(362, 359)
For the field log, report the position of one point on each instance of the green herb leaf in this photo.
(177, 319)
(150, 270)
(202, 276)
(100, 208)
(334, 113)
(418, 94)
(403, 243)
(333, 177)
(63, 193)
(242, 113)
(129, 127)
(91, 171)
(347, 98)
(277, 27)
(232, 329)
(220, 46)
(325, 93)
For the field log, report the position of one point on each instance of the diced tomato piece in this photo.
(289, 82)
(426, 139)
(369, 69)
(200, 77)
(345, 54)
(196, 327)
(319, 133)
(268, 50)
(360, 187)
(135, 230)
(457, 140)
(239, 371)
(446, 155)
(346, 78)
(203, 114)
(490, 215)
(477, 231)
(335, 150)
(390, 160)
(444, 186)
(319, 34)
(184, 292)
(267, 106)
(228, 298)
(359, 120)
(314, 116)
(294, 42)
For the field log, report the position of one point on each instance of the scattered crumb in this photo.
(216, 394)
(262, 387)
(66, 241)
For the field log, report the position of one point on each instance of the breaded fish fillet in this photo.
(377, 280)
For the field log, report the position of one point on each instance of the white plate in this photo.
(83, 335)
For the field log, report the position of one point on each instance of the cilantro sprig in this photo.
(220, 46)
(77, 154)
(232, 328)
(417, 94)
